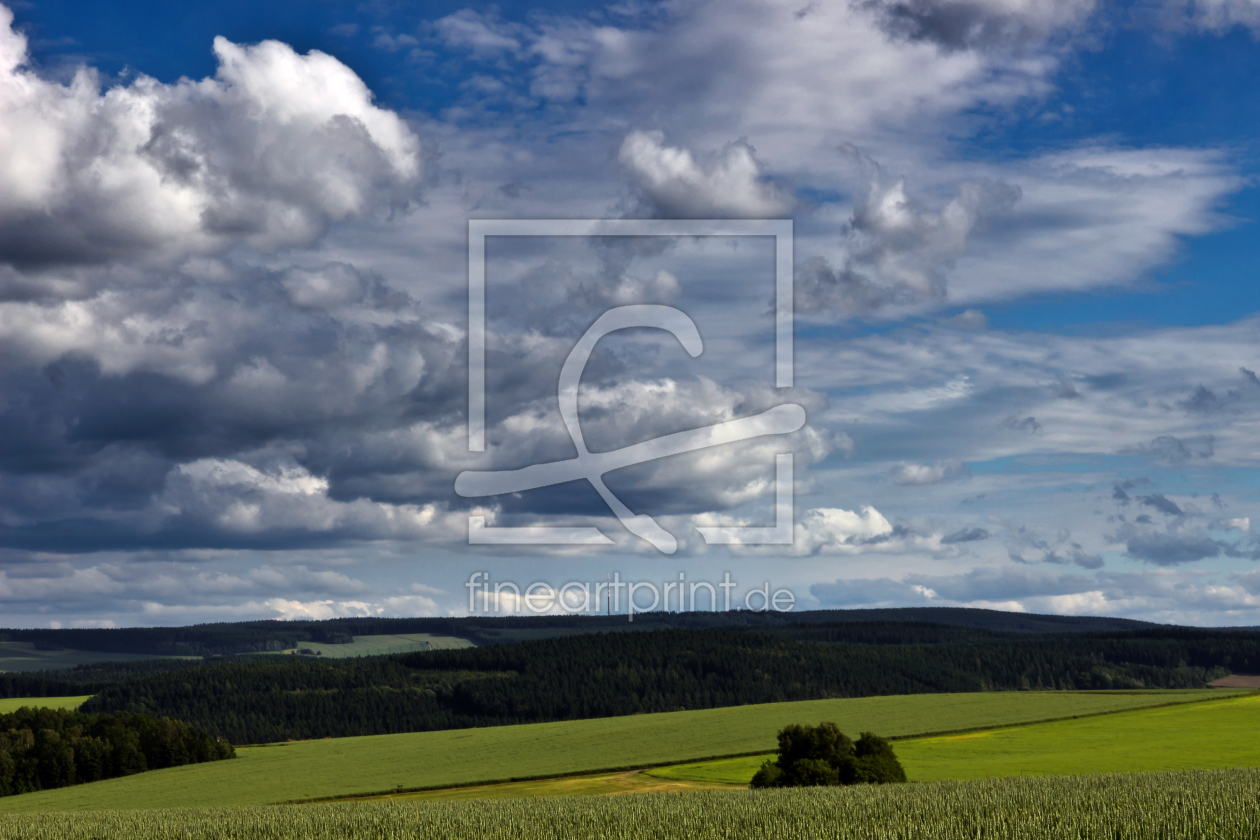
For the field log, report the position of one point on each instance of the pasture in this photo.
(342, 767)
(1221, 804)
(1192, 736)
(12, 704)
(23, 657)
(381, 645)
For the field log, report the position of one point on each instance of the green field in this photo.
(1185, 737)
(1220, 804)
(22, 656)
(348, 766)
(12, 704)
(381, 645)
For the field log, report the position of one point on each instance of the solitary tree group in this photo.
(823, 755)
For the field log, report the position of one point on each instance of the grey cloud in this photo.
(1028, 425)
(896, 251)
(1174, 450)
(964, 535)
(1086, 561)
(977, 24)
(1161, 503)
(1206, 401)
(1170, 549)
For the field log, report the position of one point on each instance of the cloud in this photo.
(268, 152)
(963, 535)
(1161, 503)
(837, 530)
(845, 593)
(729, 184)
(1171, 549)
(910, 473)
(1217, 16)
(1175, 450)
(980, 24)
(896, 251)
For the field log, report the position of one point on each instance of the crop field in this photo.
(381, 645)
(12, 704)
(1193, 736)
(340, 767)
(1221, 804)
(22, 656)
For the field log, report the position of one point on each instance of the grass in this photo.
(356, 766)
(1220, 804)
(22, 657)
(1183, 737)
(12, 704)
(380, 645)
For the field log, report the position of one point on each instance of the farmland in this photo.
(1193, 736)
(380, 645)
(25, 657)
(1222, 804)
(348, 766)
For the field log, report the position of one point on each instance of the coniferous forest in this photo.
(259, 700)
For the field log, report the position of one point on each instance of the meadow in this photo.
(23, 657)
(1195, 736)
(1221, 804)
(307, 770)
(12, 704)
(381, 645)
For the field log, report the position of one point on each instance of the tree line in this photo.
(52, 748)
(610, 674)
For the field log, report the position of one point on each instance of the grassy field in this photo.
(374, 764)
(380, 645)
(1185, 737)
(1221, 804)
(22, 656)
(14, 703)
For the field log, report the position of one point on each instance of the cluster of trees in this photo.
(610, 674)
(810, 756)
(51, 748)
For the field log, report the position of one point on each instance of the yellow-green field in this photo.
(1217, 804)
(355, 766)
(14, 703)
(1207, 735)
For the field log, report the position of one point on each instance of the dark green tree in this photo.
(811, 756)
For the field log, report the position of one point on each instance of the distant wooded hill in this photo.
(270, 636)
(607, 674)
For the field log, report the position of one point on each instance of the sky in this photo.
(234, 319)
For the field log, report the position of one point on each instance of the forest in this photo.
(268, 699)
(52, 748)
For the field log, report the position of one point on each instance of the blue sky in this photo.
(232, 285)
